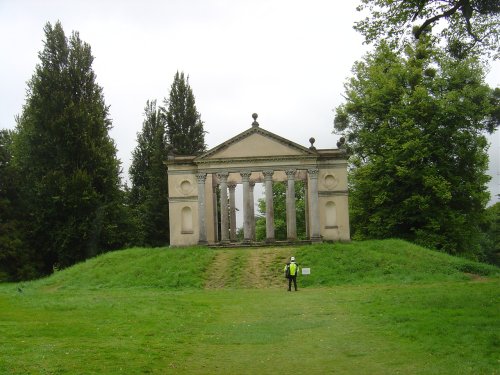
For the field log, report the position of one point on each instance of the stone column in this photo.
(314, 205)
(291, 218)
(224, 215)
(252, 209)
(247, 233)
(268, 178)
(306, 209)
(202, 227)
(215, 217)
(232, 212)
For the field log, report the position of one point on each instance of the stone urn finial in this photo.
(312, 140)
(255, 123)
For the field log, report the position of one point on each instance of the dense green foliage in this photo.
(415, 126)
(14, 260)
(184, 126)
(373, 307)
(279, 206)
(148, 196)
(492, 232)
(66, 162)
(60, 193)
(469, 25)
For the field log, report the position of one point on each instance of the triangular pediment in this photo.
(255, 143)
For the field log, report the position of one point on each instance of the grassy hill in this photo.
(387, 261)
(374, 307)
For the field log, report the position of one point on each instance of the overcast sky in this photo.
(286, 60)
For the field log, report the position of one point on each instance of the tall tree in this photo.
(415, 126)
(491, 230)
(184, 126)
(15, 260)
(467, 24)
(149, 192)
(65, 157)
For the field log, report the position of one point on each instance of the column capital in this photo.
(245, 176)
(290, 173)
(222, 176)
(201, 177)
(231, 185)
(268, 174)
(313, 173)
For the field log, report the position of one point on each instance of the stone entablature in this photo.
(256, 156)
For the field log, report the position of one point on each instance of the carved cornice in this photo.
(253, 160)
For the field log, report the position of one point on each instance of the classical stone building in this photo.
(256, 155)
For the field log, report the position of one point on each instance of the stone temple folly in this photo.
(256, 155)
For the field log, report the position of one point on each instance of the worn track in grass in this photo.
(247, 268)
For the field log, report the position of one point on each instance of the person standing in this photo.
(291, 272)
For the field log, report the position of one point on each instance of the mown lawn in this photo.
(443, 327)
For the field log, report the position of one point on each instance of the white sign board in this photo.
(306, 271)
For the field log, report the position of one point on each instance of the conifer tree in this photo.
(184, 126)
(149, 192)
(15, 261)
(67, 161)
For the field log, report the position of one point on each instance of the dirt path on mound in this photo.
(248, 268)
(218, 271)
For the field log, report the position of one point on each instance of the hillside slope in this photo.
(384, 261)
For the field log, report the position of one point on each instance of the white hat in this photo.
(292, 259)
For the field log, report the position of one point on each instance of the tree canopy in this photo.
(65, 158)
(149, 192)
(184, 126)
(14, 258)
(415, 127)
(468, 24)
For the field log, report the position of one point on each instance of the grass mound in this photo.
(374, 307)
(136, 267)
(367, 262)
(384, 261)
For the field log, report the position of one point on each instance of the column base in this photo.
(203, 242)
(317, 239)
(270, 240)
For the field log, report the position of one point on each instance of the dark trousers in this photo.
(294, 279)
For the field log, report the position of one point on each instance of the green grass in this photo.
(375, 307)
(147, 268)
(388, 261)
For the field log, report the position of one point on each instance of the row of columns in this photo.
(228, 229)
